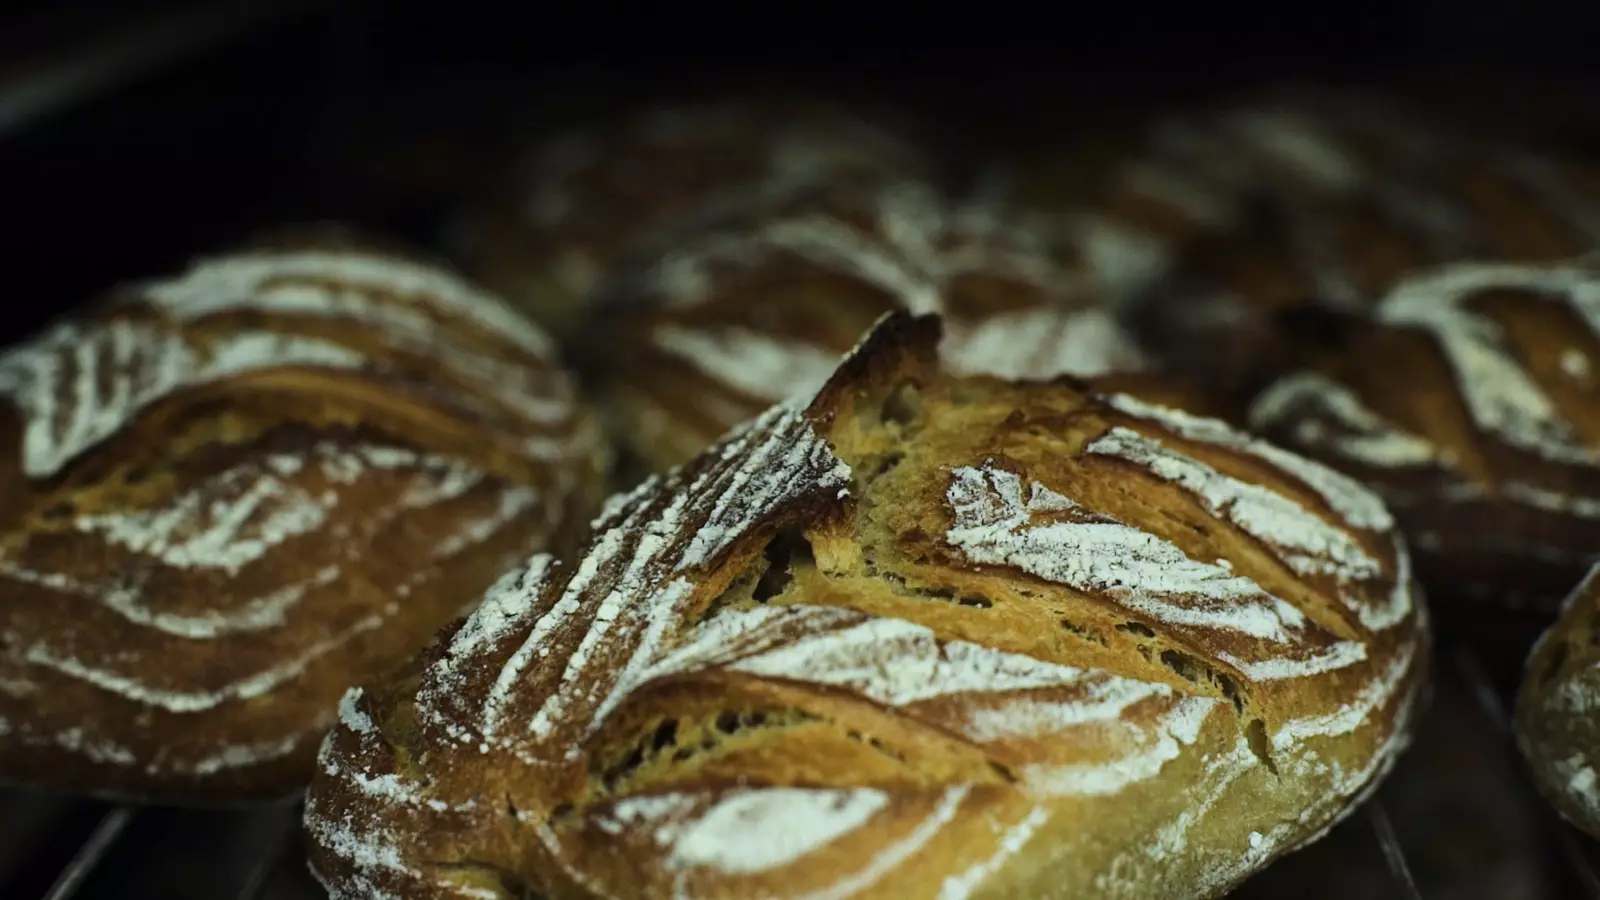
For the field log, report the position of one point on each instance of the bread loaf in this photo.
(1557, 724)
(1472, 405)
(1322, 201)
(229, 494)
(923, 636)
(581, 200)
(711, 329)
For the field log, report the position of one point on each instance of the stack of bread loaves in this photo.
(1453, 304)
(847, 650)
(937, 577)
(1406, 302)
(1313, 200)
(713, 260)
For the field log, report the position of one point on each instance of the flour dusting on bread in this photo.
(729, 836)
(1357, 505)
(750, 362)
(1500, 394)
(1493, 469)
(1310, 545)
(342, 285)
(1329, 414)
(759, 308)
(756, 679)
(251, 479)
(1094, 552)
(77, 386)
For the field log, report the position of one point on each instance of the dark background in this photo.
(307, 113)
(382, 113)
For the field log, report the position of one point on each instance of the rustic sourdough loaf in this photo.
(709, 329)
(1472, 404)
(1558, 708)
(229, 494)
(1319, 200)
(923, 636)
(580, 201)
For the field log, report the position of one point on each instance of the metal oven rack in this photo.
(103, 128)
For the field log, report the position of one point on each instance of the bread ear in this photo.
(898, 349)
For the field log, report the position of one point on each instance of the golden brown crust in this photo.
(926, 636)
(1470, 404)
(228, 494)
(711, 328)
(581, 202)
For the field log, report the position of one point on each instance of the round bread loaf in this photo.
(711, 329)
(1472, 404)
(230, 494)
(925, 636)
(1558, 708)
(1320, 201)
(581, 201)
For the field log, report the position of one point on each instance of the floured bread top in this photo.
(220, 488)
(1558, 708)
(1341, 198)
(1472, 397)
(1319, 202)
(710, 329)
(923, 637)
(584, 198)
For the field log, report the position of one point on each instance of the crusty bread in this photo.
(711, 329)
(1558, 708)
(581, 201)
(1472, 404)
(925, 636)
(230, 494)
(1298, 200)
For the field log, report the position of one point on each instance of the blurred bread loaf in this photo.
(228, 494)
(1471, 402)
(711, 328)
(1558, 709)
(1314, 200)
(579, 202)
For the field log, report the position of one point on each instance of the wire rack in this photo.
(1457, 820)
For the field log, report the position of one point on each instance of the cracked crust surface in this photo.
(923, 636)
(228, 494)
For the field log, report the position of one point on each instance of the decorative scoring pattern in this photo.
(1525, 446)
(251, 564)
(537, 686)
